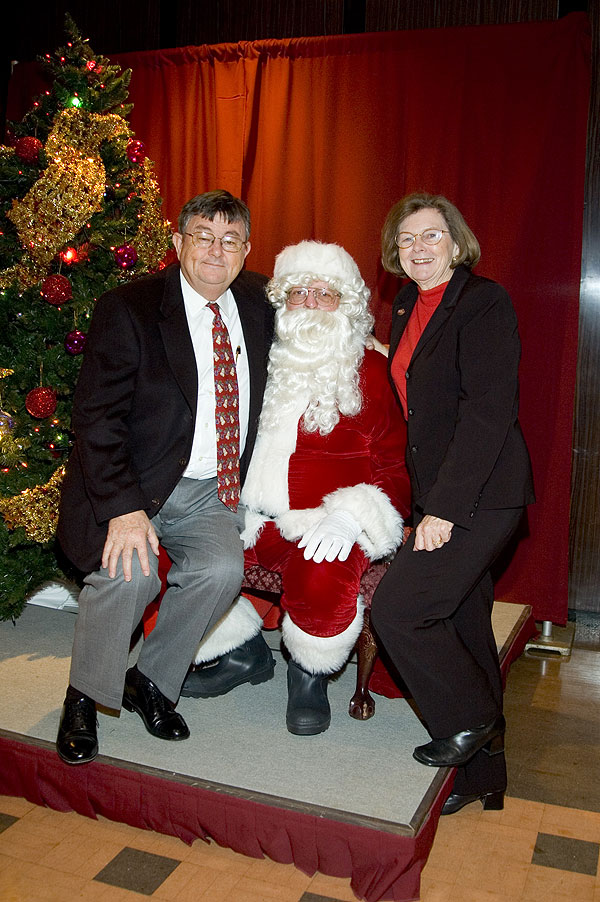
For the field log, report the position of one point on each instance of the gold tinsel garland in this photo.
(36, 509)
(67, 193)
(154, 233)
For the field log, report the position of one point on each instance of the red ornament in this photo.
(41, 402)
(69, 256)
(126, 256)
(56, 290)
(28, 148)
(75, 342)
(136, 151)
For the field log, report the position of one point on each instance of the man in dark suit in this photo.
(145, 468)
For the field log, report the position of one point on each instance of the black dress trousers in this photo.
(432, 613)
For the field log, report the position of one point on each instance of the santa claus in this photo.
(326, 490)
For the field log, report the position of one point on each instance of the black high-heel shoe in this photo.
(492, 801)
(460, 748)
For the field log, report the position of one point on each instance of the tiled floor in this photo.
(544, 846)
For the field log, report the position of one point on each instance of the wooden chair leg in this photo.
(362, 703)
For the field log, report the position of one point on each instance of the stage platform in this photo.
(351, 802)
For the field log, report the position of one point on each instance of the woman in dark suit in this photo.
(454, 356)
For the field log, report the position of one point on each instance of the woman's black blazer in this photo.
(465, 449)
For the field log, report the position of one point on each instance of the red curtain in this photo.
(321, 135)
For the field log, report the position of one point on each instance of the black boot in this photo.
(308, 710)
(251, 662)
(77, 740)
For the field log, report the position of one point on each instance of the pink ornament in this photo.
(75, 342)
(126, 256)
(28, 148)
(56, 289)
(136, 151)
(41, 402)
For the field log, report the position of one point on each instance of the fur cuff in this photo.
(253, 524)
(381, 524)
(293, 524)
(322, 654)
(238, 625)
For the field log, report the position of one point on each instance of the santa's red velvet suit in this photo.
(358, 467)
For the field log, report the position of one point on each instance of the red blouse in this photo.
(426, 305)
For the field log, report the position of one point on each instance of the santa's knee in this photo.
(322, 646)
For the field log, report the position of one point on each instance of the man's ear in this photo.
(177, 242)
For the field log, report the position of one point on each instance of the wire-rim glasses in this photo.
(324, 297)
(429, 236)
(229, 243)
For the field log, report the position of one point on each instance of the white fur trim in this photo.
(239, 624)
(253, 525)
(293, 524)
(323, 261)
(322, 654)
(266, 484)
(381, 524)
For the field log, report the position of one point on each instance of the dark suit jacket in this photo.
(135, 404)
(465, 449)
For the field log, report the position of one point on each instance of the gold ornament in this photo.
(36, 509)
(67, 193)
(4, 373)
(11, 451)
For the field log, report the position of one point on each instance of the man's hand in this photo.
(432, 533)
(126, 533)
(331, 538)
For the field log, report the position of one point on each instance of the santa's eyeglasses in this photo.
(324, 297)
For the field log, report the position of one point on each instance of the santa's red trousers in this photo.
(319, 598)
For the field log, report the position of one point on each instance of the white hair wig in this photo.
(315, 261)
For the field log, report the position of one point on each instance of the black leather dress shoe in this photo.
(77, 740)
(251, 662)
(492, 801)
(460, 748)
(156, 710)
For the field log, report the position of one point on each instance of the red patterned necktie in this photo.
(227, 418)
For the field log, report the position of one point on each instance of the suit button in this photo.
(476, 504)
(182, 462)
(471, 514)
(401, 311)
(407, 375)
(414, 448)
(156, 501)
(410, 411)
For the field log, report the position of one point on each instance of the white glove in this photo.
(331, 538)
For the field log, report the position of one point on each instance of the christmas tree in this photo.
(79, 214)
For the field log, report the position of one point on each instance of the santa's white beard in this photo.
(316, 356)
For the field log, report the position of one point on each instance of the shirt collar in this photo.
(195, 302)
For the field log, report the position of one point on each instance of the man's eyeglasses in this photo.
(229, 243)
(429, 236)
(323, 296)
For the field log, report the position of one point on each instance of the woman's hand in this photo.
(432, 533)
(373, 344)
